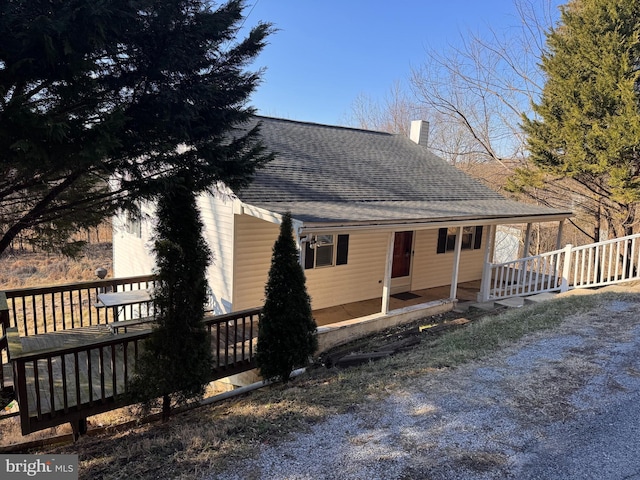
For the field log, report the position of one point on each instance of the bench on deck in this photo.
(114, 327)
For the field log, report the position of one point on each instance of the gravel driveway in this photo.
(558, 405)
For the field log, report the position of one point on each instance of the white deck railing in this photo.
(587, 266)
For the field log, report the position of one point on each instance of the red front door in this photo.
(402, 254)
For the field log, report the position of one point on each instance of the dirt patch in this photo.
(400, 338)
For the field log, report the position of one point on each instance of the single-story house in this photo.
(375, 214)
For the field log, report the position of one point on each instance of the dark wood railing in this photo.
(232, 339)
(4, 346)
(50, 309)
(68, 384)
(60, 385)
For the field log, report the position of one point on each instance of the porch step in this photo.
(462, 307)
(540, 297)
(513, 302)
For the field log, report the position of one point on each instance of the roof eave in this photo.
(425, 224)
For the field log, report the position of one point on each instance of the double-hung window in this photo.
(471, 238)
(326, 250)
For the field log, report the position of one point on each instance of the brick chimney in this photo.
(419, 132)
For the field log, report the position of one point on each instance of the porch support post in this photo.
(559, 237)
(566, 268)
(527, 245)
(386, 285)
(527, 241)
(456, 264)
(485, 283)
(297, 228)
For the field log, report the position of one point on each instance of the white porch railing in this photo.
(587, 266)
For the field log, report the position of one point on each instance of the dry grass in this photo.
(30, 269)
(210, 437)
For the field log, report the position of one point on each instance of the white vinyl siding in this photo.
(217, 217)
(132, 253)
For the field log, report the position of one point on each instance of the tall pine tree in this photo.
(176, 363)
(587, 123)
(111, 89)
(287, 332)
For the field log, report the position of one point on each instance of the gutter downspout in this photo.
(297, 228)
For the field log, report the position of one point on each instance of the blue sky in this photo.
(327, 52)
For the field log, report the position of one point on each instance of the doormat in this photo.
(405, 296)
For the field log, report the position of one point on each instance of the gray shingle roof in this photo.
(326, 173)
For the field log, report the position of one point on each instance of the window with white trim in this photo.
(133, 223)
(471, 238)
(326, 250)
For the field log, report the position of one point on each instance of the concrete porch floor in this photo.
(467, 291)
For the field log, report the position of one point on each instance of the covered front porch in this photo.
(423, 263)
(467, 291)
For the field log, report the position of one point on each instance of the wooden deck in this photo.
(64, 339)
(72, 374)
(66, 376)
(66, 381)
